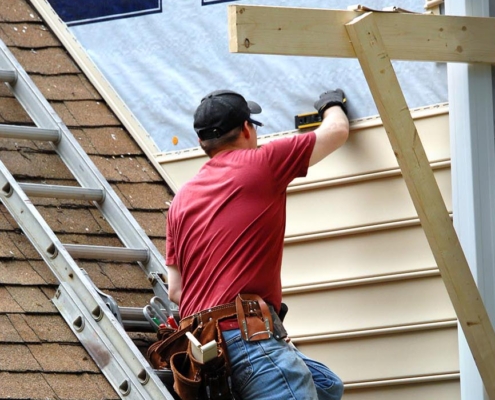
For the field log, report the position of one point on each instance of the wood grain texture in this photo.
(320, 32)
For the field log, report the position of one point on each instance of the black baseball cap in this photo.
(221, 111)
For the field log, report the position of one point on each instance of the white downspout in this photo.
(473, 180)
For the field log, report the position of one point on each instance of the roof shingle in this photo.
(17, 357)
(47, 61)
(24, 386)
(31, 299)
(21, 325)
(28, 35)
(7, 302)
(63, 87)
(7, 331)
(12, 113)
(48, 328)
(55, 357)
(84, 387)
(19, 273)
(18, 11)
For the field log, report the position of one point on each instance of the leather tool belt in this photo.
(192, 379)
(254, 316)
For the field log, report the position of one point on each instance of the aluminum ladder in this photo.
(76, 298)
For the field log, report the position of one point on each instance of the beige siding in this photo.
(338, 256)
(387, 357)
(439, 390)
(364, 293)
(357, 204)
(367, 305)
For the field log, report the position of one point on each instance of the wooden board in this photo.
(320, 32)
(371, 52)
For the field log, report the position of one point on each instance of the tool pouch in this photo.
(187, 382)
(254, 317)
(170, 341)
(196, 380)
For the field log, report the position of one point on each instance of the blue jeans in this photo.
(274, 370)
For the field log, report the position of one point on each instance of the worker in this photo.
(225, 234)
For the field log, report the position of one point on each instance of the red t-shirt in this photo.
(225, 227)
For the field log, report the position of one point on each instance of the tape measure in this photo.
(308, 120)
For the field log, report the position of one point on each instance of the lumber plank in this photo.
(371, 52)
(321, 32)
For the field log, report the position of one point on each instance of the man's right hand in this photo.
(329, 99)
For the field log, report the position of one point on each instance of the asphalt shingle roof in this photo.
(40, 357)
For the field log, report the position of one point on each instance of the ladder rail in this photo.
(94, 312)
(83, 325)
(78, 301)
(81, 166)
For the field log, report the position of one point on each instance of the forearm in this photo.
(331, 134)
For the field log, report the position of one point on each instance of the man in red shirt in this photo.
(225, 232)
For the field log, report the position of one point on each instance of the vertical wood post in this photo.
(399, 125)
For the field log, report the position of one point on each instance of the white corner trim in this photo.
(109, 94)
(473, 181)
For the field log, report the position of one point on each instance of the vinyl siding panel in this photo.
(442, 390)
(354, 205)
(367, 306)
(372, 252)
(386, 357)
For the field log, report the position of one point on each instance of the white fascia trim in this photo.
(473, 181)
(109, 94)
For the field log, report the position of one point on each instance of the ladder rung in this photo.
(122, 254)
(134, 320)
(132, 313)
(63, 192)
(29, 133)
(8, 76)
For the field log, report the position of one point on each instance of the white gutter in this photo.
(473, 181)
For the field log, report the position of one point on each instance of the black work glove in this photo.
(329, 99)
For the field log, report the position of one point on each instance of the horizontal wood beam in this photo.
(321, 32)
(365, 34)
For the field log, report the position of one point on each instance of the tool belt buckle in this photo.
(257, 324)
